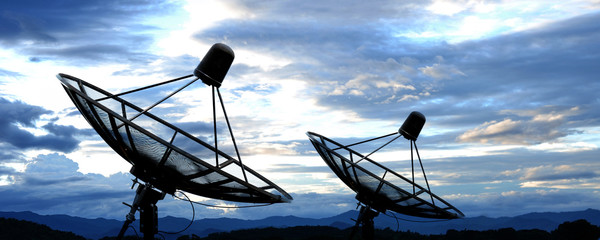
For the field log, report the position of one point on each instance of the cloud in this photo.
(4, 171)
(542, 126)
(449, 8)
(331, 12)
(4, 72)
(376, 73)
(528, 90)
(77, 32)
(17, 113)
(51, 184)
(512, 203)
(440, 71)
(18, 26)
(572, 176)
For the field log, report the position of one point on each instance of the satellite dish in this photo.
(378, 187)
(161, 153)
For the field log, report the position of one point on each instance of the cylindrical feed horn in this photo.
(215, 64)
(412, 126)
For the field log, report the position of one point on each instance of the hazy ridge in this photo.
(100, 227)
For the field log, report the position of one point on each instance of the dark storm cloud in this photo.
(61, 138)
(76, 31)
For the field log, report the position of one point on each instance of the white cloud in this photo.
(440, 71)
(554, 176)
(545, 126)
(448, 7)
(493, 131)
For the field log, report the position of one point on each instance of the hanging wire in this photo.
(135, 231)
(162, 236)
(397, 222)
(193, 216)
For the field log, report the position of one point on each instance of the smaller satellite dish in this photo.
(378, 187)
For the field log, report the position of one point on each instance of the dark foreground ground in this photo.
(580, 229)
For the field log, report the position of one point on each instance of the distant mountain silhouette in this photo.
(100, 227)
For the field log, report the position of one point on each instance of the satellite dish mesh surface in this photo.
(161, 153)
(379, 187)
(166, 157)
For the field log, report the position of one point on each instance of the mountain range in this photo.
(100, 227)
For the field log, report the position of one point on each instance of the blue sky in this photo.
(509, 89)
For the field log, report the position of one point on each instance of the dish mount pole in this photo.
(365, 218)
(145, 202)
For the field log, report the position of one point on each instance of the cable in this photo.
(397, 222)
(193, 216)
(136, 233)
(162, 236)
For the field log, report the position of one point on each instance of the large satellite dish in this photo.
(166, 157)
(378, 187)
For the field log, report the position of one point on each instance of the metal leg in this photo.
(149, 221)
(145, 201)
